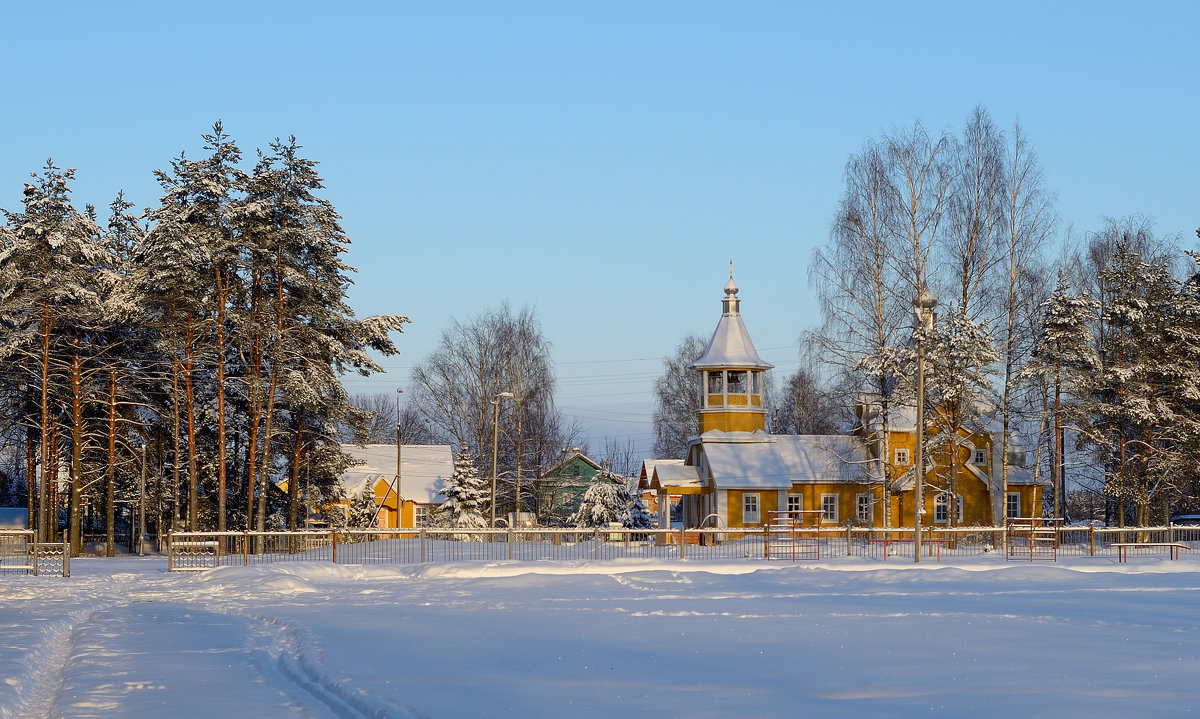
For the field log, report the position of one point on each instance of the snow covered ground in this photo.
(1085, 637)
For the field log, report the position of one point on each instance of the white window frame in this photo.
(941, 508)
(829, 501)
(863, 509)
(1012, 506)
(751, 515)
(902, 456)
(979, 457)
(421, 515)
(797, 500)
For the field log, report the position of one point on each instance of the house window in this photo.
(795, 504)
(750, 509)
(980, 457)
(716, 385)
(736, 382)
(863, 508)
(422, 515)
(829, 508)
(1013, 505)
(902, 455)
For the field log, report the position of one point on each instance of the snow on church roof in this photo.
(730, 346)
(424, 469)
(741, 460)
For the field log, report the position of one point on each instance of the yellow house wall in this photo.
(768, 501)
(387, 501)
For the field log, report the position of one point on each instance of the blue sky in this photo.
(601, 162)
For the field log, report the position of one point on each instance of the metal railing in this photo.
(20, 553)
(187, 551)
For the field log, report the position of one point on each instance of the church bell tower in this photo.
(730, 373)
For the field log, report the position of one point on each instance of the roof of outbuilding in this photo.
(424, 469)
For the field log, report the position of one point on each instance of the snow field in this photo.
(845, 637)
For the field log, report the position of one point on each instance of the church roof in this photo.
(730, 346)
(743, 460)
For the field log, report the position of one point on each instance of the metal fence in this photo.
(19, 553)
(188, 551)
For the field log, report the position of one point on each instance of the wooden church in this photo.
(735, 472)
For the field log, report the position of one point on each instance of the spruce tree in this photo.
(466, 497)
(1064, 355)
(605, 500)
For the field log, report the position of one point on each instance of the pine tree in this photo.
(49, 301)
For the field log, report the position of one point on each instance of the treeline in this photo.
(1089, 351)
(195, 346)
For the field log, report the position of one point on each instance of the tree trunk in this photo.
(110, 489)
(75, 498)
(293, 512)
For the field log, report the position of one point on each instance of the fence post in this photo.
(510, 542)
(423, 530)
(246, 549)
(596, 542)
(1091, 540)
(848, 552)
(333, 541)
(67, 556)
(681, 541)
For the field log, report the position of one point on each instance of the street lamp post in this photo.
(142, 507)
(399, 392)
(495, 448)
(924, 304)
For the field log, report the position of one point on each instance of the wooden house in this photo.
(424, 470)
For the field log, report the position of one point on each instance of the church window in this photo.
(829, 508)
(750, 514)
(1013, 501)
(864, 507)
(715, 383)
(795, 504)
(737, 382)
(756, 383)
